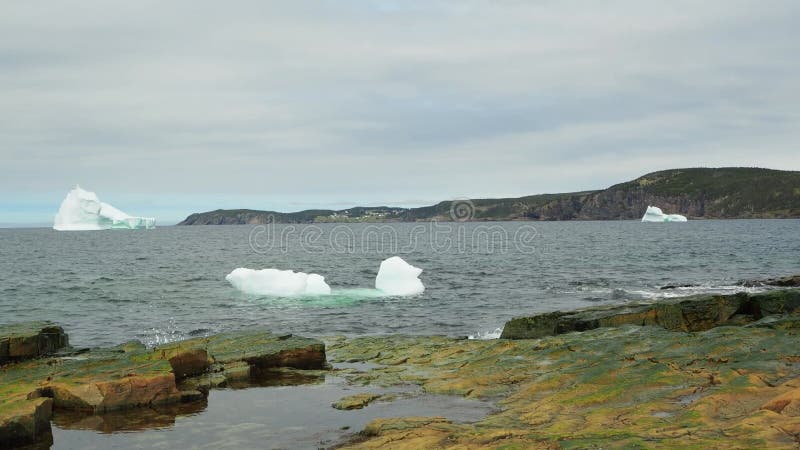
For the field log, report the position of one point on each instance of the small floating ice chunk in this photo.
(81, 210)
(397, 277)
(654, 214)
(280, 283)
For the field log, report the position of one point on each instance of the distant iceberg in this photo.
(397, 277)
(81, 210)
(280, 283)
(654, 214)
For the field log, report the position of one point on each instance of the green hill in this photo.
(699, 193)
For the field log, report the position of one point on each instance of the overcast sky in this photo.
(168, 108)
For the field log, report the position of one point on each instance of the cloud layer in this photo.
(286, 105)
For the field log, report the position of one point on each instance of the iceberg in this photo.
(654, 214)
(397, 277)
(279, 283)
(81, 210)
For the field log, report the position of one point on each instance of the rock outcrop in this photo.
(22, 341)
(790, 281)
(696, 313)
(129, 375)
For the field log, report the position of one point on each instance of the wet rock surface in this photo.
(695, 313)
(130, 375)
(356, 401)
(28, 340)
(616, 387)
(789, 281)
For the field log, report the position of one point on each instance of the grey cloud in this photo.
(318, 102)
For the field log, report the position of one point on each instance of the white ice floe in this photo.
(654, 214)
(81, 210)
(397, 277)
(281, 283)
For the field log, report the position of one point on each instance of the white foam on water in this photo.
(485, 336)
(684, 291)
(397, 277)
(275, 282)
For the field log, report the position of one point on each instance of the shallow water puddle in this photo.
(267, 414)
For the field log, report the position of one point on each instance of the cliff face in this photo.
(699, 193)
(696, 193)
(631, 204)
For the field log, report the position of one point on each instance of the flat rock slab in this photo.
(28, 340)
(215, 360)
(356, 401)
(695, 313)
(615, 387)
(130, 375)
(266, 350)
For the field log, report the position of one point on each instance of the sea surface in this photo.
(107, 287)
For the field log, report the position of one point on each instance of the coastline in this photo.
(618, 376)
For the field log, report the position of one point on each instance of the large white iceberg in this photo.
(82, 210)
(280, 283)
(397, 277)
(654, 214)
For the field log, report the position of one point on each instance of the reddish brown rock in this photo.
(27, 340)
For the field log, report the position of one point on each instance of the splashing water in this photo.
(485, 336)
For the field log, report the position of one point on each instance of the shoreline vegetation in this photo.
(686, 372)
(697, 193)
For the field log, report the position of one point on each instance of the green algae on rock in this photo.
(28, 340)
(695, 313)
(615, 387)
(356, 401)
(130, 375)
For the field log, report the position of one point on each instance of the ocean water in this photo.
(106, 287)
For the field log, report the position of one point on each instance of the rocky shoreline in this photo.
(694, 313)
(39, 378)
(703, 371)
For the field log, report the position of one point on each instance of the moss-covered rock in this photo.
(28, 340)
(130, 375)
(265, 350)
(25, 421)
(696, 313)
(611, 387)
(356, 401)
